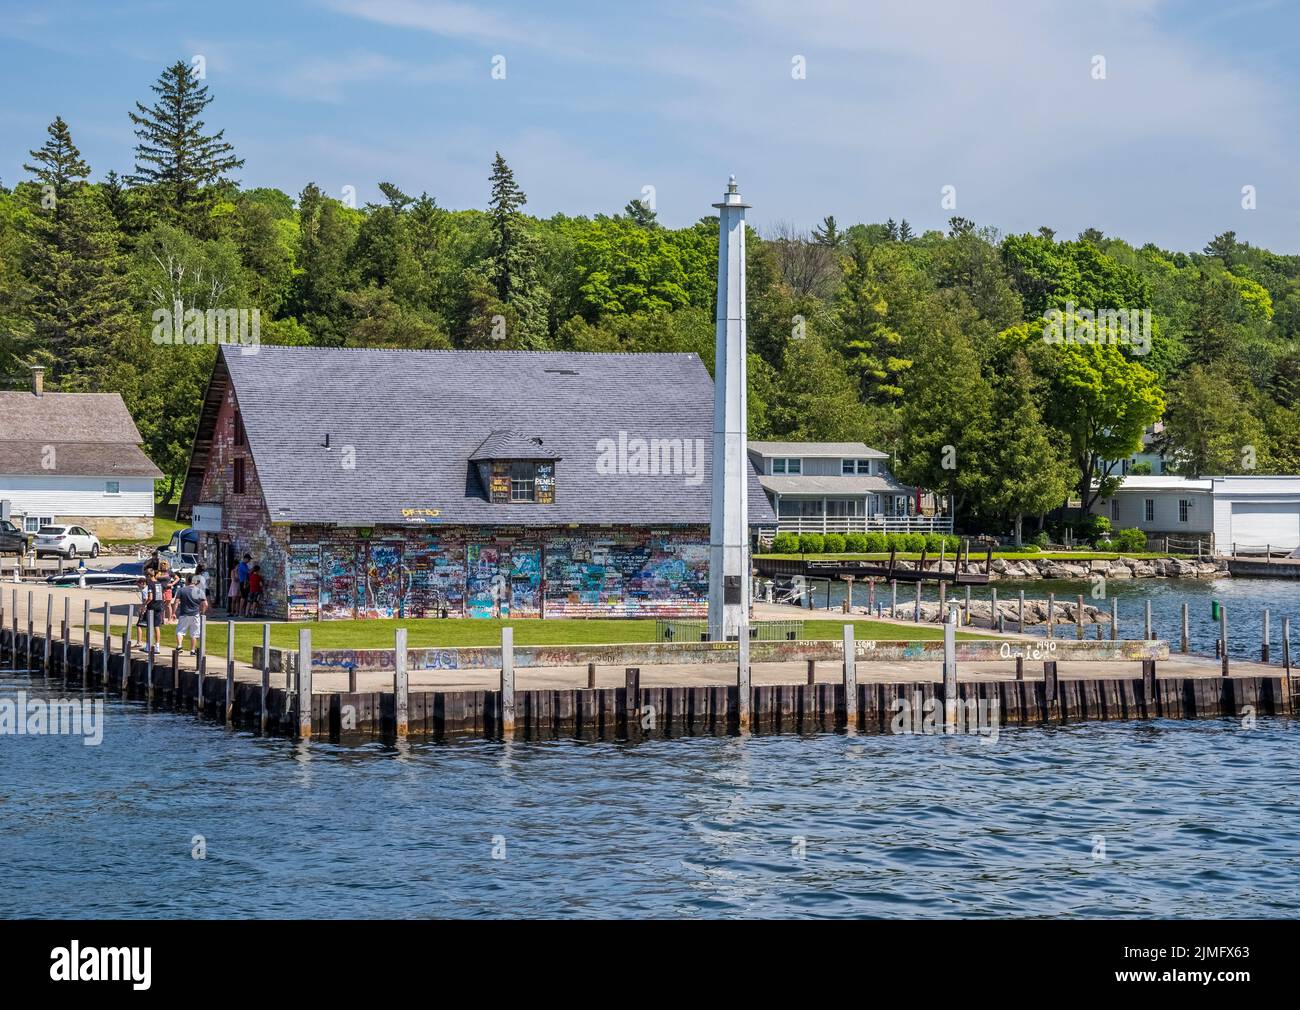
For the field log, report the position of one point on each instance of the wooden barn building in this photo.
(393, 483)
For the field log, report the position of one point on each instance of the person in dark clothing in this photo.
(191, 602)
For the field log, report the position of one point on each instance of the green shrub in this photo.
(1042, 540)
(1028, 548)
(1105, 544)
(855, 543)
(812, 543)
(785, 543)
(875, 543)
(914, 542)
(1092, 529)
(894, 542)
(833, 543)
(952, 543)
(933, 541)
(1131, 540)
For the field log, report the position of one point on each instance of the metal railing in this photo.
(864, 524)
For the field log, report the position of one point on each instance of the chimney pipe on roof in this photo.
(38, 380)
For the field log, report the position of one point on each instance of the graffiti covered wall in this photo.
(621, 571)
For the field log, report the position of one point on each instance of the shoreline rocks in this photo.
(1083, 571)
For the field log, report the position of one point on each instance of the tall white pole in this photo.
(729, 587)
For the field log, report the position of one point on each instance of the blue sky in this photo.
(599, 99)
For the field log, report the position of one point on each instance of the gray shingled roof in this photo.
(66, 417)
(834, 485)
(843, 449)
(414, 418)
(512, 445)
(82, 459)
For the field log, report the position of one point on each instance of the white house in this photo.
(74, 458)
(838, 487)
(1251, 513)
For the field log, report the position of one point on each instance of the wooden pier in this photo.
(1033, 684)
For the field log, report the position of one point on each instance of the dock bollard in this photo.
(591, 676)
(401, 686)
(304, 684)
(950, 674)
(850, 680)
(507, 683)
(1223, 636)
(743, 674)
(230, 673)
(266, 678)
(812, 671)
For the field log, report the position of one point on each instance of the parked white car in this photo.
(65, 541)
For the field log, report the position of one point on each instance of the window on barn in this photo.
(238, 477)
(238, 422)
(523, 481)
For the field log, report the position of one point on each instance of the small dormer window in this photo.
(523, 482)
(787, 465)
(858, 467)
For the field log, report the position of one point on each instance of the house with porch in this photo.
(840, 487)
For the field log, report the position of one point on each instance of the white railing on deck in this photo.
(865, 524)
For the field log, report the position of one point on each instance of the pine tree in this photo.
(58, 163)
(641, 214)
(871, 345)
(513, 257)
(174, 155)
(828, 233)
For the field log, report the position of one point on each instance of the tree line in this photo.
(943, 348)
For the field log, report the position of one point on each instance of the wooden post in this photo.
(1223, 636)
(1021, 622)
(1149, 683)
(993, 607)
(812, 671)
(31, 631)
(1149, 630)
(176, 675)
(949, 676)
(85, 644)
(266, 678)
(943, 600)
(1264, 646)
(352, 678)
(850, 680)
(304, 683)
(893, 599)
(126, 648)
(230, 672)
(743, 692)
(1020, 668)
(1114, 618)
(916, 613)
(1051, 615)
(104, 655)
(67, 631)
(966, 607)
(591, 676)
(401, 685)
(1286, 646)
(148, 658)
(507, 683)
(848, 599)
(1051, 684)
(1185, 640)
(49, 633)
(201, 664)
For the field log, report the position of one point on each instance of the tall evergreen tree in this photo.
(174, 155)
(58, 162)
(871, 345)
(641, 214)
(513, 256)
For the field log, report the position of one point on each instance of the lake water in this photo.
(1117, 819)
(1245, 599)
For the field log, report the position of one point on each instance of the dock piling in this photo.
(632, 699)
(49, 633)
(30, 632)
(1286, 646)
(304, 683)
(850, 680)
(1185, 639)
(85, 644)
(1114, 619)
(401, 685)
(1051, 615)
(1149, 631)
(230, 673)
(103, 656)
(67, 632)
(201, 664)
(148, 661)
(1223, 637)
(950, 674)
(812, 671)
(266, 678)
(1264, 646)
(893, 599)
(507, 683)
(1021, 620)
(916, 614)
(966, 609)
(126, 647)
(743, 692)
(591, 676)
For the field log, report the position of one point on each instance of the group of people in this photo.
(170, 599)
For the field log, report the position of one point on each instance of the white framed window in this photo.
(849, 467)
(523, 481)
(787, 466)
(1149, 510)
(33, 523)
(1184, 507)
(112, 487)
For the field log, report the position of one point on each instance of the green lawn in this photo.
(163, 527)
(979, 556)
(452, 633)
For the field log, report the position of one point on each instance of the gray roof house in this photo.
(75, 459)
(584, 479)
(838, 487)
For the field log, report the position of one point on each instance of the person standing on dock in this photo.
(191, 601)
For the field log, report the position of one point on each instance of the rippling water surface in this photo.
(1197, 819)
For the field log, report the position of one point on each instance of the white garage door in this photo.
(1261, 525)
